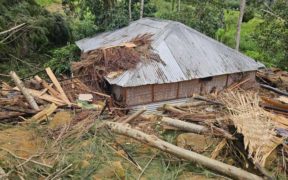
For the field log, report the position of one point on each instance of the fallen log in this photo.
(134, 116)
(168, 107)
(24, 91)
(195, 128)
(18, 109)
(275, 103)
(185, 126)
(153, 141)
(276, 90)
(9, 115)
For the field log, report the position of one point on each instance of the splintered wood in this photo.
(254, 123)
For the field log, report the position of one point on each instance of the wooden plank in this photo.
(57, 85)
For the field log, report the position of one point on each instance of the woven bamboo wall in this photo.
(138, 95)
(215, 84)
(232, 78)
(161, 92)
(165, 91)
(188, 88)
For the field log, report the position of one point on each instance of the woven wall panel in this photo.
(188, 88)
(139, 95)
(215, 84)
(165, 91)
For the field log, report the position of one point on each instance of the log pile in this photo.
(33, 96)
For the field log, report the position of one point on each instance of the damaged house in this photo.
(186, 62)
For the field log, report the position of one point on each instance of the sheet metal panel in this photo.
(187, 54)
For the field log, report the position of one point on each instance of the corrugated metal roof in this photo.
(187, 54)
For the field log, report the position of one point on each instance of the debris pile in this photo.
(111, 61)
(236, 133)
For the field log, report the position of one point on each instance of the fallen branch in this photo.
(207, 100)
(24, 91)
(12, 29)
(18, 157)
(153, 141)
(276, 90)
(9, 115)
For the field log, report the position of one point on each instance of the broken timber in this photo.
(24, 91)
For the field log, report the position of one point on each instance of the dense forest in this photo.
(47, 29)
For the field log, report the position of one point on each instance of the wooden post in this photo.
(24, 91)
(154, 141)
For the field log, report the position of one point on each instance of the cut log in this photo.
(168, 107)
(134, 116)
(24, 91)
(153, 141)
(57, 85)
(185, 126)
(195, 128)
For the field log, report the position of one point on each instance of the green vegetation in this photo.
(48, 37)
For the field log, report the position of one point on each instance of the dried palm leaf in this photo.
(254, 123)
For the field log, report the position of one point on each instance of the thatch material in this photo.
(96, 64)
(254, 123)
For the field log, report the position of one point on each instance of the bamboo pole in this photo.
(153, 141)
(24, 91)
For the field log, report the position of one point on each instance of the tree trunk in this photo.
(179, 5)
(130, 11)
(242, 9)
(141, 9)
(153, 141)
(173, 5)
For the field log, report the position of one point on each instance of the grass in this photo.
(47, 2)
(95, 154)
